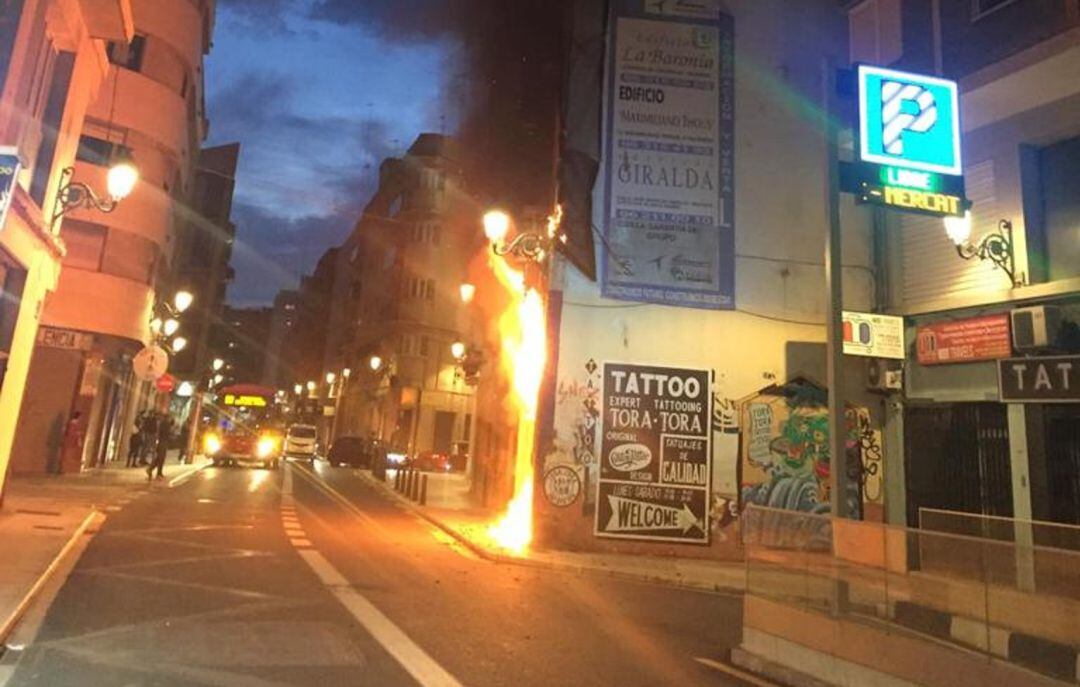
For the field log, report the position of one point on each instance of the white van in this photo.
(300, 442)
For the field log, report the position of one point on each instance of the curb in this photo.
(1043, 656)
(489, 555)
(13, 619)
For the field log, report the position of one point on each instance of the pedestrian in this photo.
(135, 445)
(150, 432)
(164, 427)
(74, 436)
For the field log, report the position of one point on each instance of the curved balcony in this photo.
(121, 307)
(147, 212)
(144, 105)
(179, 24)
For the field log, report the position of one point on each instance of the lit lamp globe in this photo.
(179, 344)
(496, 225)
(330, 377)
(217, 364)
(346, 373)
(375, 362)
(121, 179)
(958, 228)
(468, 292)
(311, 386)
(183, 300)
(298, 389)
(457, 349)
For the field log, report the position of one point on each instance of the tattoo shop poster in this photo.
(669, 226)
(655, 448)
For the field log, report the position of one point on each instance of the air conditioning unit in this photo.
(1036, 327)
(884, 377)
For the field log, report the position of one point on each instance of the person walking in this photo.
(149, 430)
(164, 430)
(135, 444)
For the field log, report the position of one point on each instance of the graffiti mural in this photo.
(864, 450)
(785, 450)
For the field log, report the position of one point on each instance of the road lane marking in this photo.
(186, 475)
(407, 653)
(341, 499)
(300, 543)
(736, 673)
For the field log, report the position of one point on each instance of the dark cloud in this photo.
(418, 20)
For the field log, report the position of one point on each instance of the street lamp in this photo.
(217, 364)
(457, 349)
(468, 292)
(346, 373)
(183, 300)
(179, 344)
(330, 377)
(527, 245)
(298, 389)
(997, 246)
(311, 386)
(120, 181)
(171, 326)
(375, 363)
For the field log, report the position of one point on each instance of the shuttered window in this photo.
(931, 268)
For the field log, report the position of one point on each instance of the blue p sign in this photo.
(909, 121)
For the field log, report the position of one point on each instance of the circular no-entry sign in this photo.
(165, 384)
(150, 363)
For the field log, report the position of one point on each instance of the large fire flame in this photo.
(523, 331)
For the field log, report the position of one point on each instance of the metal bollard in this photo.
(410, 476)
(397, 480)
(414, 487)
(423, 489)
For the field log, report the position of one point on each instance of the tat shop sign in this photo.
(1051, 379)
(655, 445)
(964, 341)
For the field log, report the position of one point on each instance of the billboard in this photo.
(655, 449)
(669, 222)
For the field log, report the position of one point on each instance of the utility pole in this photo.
(834, 308)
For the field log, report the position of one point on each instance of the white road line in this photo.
(335, 495)
(185, 476)
(296, 541)
(286, 485)
(294, 532)
(735, 672)
(412, 658)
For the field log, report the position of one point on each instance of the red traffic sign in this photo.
(165, 384)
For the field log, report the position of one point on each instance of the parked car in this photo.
(352, 451)
(301, 442)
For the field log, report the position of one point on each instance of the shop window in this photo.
(128, 55)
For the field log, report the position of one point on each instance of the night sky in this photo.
(318, 92)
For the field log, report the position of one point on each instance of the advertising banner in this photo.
(873, 335)
(655, 444)
(964, 341)
(669, 155)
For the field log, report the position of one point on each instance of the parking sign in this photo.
(909, 121)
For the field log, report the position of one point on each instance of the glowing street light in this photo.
(179, 344)
(218, 379)
(298, 389)
(457, 349)
(496, 225)
(468, 292)
(217, 364)
(183, 300)
(958, 228)
(171, 326)
(375, 362)
(346, 373)
(122, 179)
(330, 377)
(311, 386)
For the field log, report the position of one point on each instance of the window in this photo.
(128, 55)
(98, 151)
(1059, 200)
(981, 8)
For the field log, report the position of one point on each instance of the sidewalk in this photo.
(44, 515)
(449, 508)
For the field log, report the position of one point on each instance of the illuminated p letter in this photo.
(895, 119)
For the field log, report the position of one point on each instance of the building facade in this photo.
(151, 109)
(53, 66)
(960, 439)
(407, 259)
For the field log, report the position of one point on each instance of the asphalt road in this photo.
(245, 577)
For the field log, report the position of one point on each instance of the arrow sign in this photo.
(628, 515)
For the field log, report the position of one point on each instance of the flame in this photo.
(523, 333)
